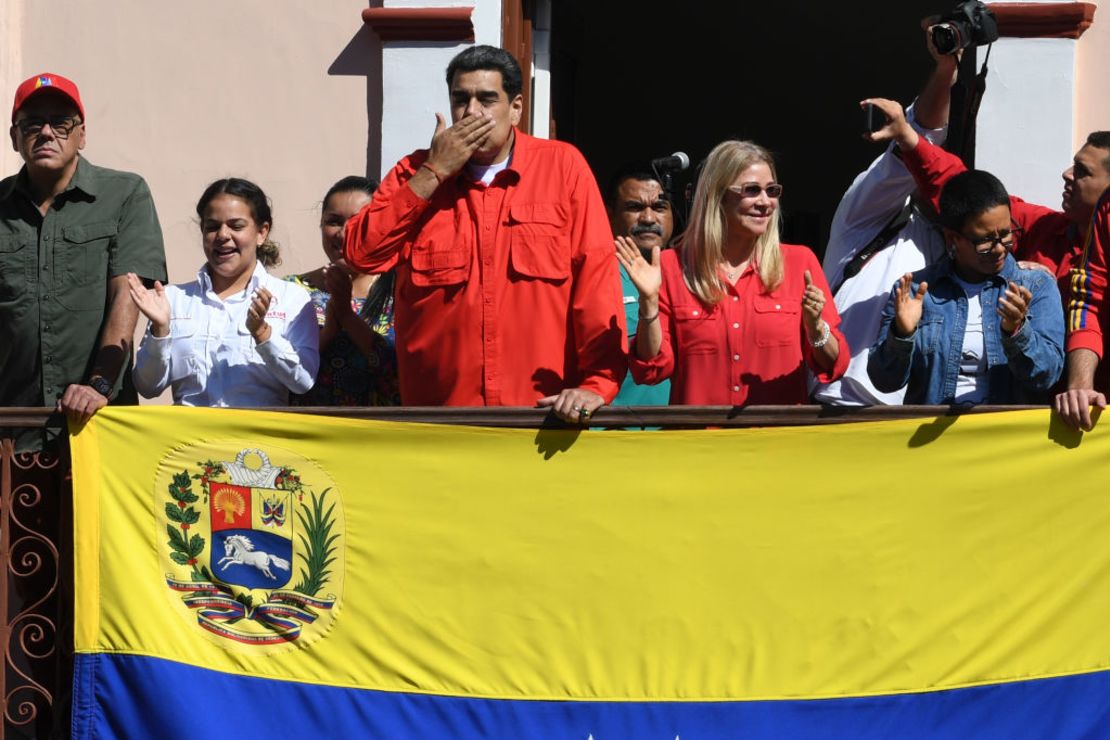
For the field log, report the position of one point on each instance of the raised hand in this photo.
(946, 63)
(152, 303)
(338, 284)
(451, 148)
(1013, 306)
(646, 276)
(813, 303)
(897, 128)
(256, 315)
(908, 306)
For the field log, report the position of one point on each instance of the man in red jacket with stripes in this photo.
(1073, 243)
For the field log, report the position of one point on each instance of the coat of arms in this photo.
(256, 551)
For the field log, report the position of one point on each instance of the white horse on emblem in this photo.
(239, 550)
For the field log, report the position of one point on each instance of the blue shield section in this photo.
(268, 564)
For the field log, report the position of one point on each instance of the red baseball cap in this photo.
(46, 81)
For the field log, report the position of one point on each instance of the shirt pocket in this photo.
(84, 264)
(186, 348)
(244, 341)
(777, 323)
(440, 254)
(697, 331)
(539, 245)
(927, 338)
(17, 269)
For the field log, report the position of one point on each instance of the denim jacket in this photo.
(1021, 368)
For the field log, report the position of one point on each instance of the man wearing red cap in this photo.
(69, 234)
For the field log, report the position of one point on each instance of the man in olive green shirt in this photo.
(69, 234)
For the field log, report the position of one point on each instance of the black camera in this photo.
(969, 24)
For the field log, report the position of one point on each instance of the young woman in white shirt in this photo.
(236, 336)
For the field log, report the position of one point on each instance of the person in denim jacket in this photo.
(977, 327)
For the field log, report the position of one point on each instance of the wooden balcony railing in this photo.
(36, 553)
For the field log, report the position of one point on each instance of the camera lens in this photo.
(946, 38)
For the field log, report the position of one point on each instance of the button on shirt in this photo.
(210, 357)
(55, 270)
(54, 276)
(750, 348)
(1021, 367)
(505, 293)
(1076, 256)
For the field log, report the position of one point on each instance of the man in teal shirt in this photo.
(639, 208)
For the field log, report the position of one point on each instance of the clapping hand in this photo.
(646, 276)
(908, 306)
(152, 303)
(1013, 306)
(256, 315)
(813, 303)
(338, 284)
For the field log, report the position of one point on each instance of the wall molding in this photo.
(1043, 20)
(421, 24)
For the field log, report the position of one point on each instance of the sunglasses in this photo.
(62, 126)
(753, 189)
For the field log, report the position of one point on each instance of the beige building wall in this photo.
(278, 91)
(1092, 100)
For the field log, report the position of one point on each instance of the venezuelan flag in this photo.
(915, 579)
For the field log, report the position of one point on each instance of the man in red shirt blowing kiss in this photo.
(507, 290)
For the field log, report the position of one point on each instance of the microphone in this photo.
(677, 162)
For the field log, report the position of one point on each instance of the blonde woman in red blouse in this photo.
(731, 315)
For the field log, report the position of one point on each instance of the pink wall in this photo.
(1092, 105)
(183, 93)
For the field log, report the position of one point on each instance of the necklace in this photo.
(733, 272)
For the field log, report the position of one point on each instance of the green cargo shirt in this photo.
(54, 275)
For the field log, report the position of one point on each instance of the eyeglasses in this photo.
(60, 125)
(753, 189)
(985, 245)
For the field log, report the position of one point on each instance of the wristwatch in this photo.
(101, 385)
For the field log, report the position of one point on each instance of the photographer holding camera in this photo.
(879, 233)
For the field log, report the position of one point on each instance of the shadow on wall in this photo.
(362, 57)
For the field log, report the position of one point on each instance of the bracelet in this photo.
(435, 173)
(648, 319)
(824, 338)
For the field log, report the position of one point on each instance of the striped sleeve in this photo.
(1087, 284)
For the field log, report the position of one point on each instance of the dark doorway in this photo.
(636, 80)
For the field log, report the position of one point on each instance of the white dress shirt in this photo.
(877, 194)
(210, 357)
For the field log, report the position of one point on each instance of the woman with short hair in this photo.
(975, 327)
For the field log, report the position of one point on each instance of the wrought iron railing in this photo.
(36, 554)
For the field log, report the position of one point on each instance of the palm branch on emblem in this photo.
(319, 544)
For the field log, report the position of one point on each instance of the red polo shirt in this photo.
(505, 293)
(751, 348)
(1078, 258)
